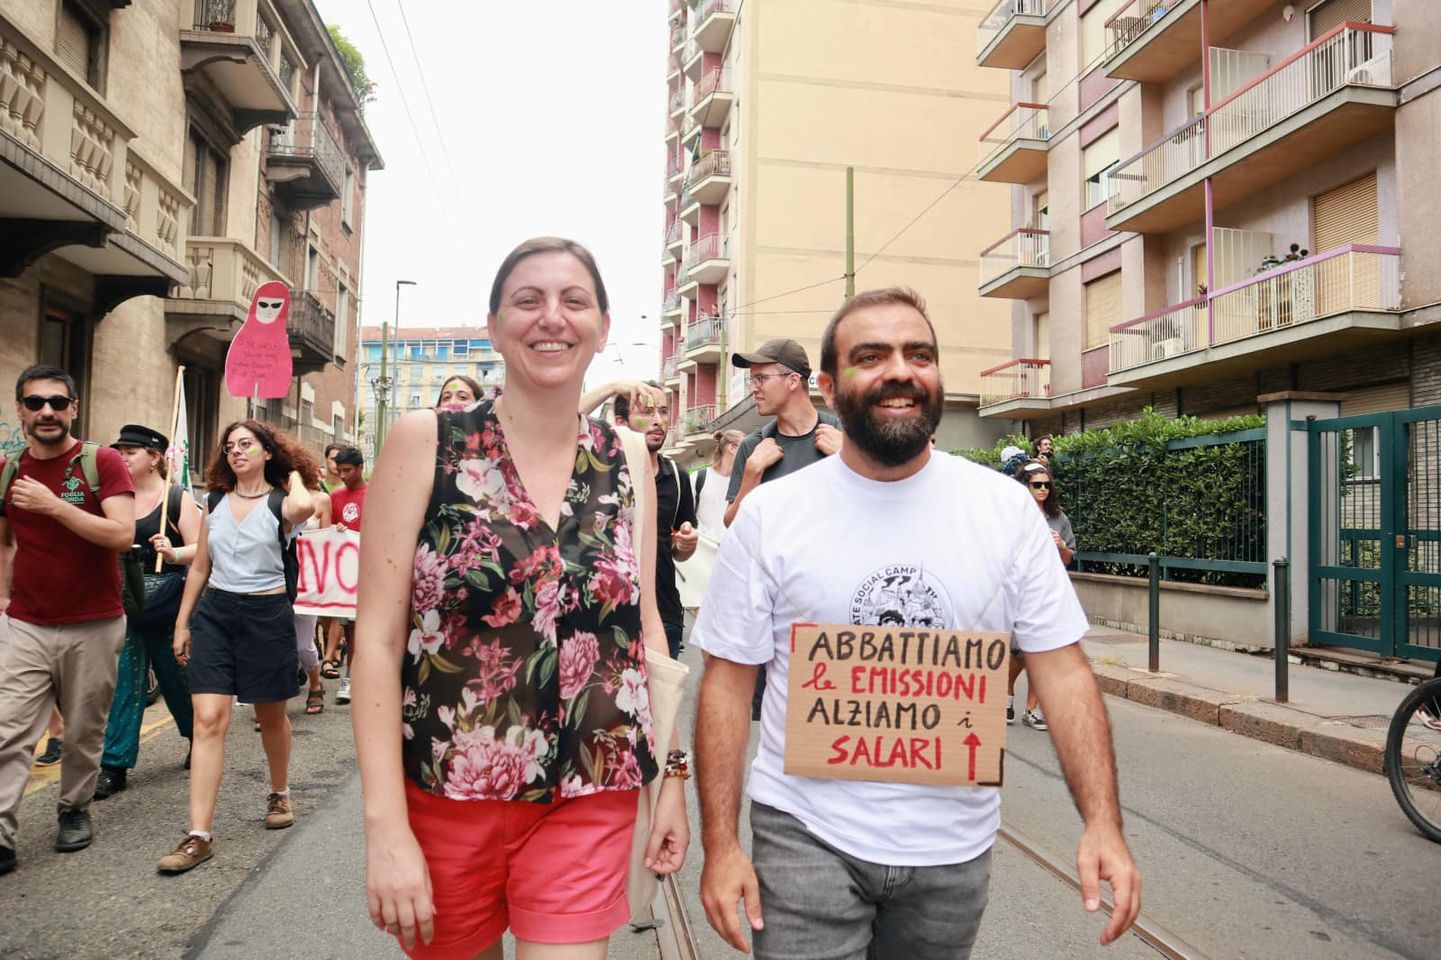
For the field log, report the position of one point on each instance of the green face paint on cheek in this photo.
(848, 372)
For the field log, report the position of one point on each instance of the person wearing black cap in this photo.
(799, 435)
(148, 637)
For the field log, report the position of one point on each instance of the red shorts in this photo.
(551, 872)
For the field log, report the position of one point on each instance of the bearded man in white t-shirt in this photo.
(887, 532)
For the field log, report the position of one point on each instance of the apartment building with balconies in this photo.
(160, 161)
(1213, 201)
(418, 361)
(766, 107)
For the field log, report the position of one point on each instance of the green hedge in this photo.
(1127, 493)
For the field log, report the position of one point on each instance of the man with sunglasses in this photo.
(62, 522)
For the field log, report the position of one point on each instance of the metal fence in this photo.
(1201, 505)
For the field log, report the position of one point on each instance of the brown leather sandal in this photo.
(314, 701)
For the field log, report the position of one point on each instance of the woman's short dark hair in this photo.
(1052, 503)
(285, 455)
(548, 245)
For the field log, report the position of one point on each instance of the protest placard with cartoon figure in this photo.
(258, 363)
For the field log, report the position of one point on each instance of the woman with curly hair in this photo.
(236, 630)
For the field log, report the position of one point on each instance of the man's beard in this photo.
(654, 443)
(33, 431)
(890, 442)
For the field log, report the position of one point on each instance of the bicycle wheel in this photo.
(1413, 757)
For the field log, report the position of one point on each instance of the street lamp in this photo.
(383, 383)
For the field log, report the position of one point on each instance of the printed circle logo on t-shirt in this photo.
(901, 595)
(350, 513)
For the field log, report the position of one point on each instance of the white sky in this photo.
(551, 114)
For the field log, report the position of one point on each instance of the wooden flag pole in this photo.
(165, 500)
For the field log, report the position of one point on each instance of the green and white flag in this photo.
(177, 455)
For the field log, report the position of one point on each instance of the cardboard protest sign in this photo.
(257, 364)
(896, 704)
(329, 572)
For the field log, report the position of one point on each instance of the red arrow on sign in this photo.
(974, 742)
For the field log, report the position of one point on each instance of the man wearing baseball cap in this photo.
(799, 436)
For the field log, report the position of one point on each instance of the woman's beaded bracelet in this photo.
(677, 764)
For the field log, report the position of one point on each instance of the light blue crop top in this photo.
(244, 557)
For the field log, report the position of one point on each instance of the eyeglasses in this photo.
(1040, 484)
(237, 446)
(59, 403)
(759, 379)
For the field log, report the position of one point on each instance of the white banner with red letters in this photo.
(329, 572)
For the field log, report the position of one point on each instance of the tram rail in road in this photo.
(1152, 934)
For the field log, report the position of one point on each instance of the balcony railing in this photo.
(1351, 54)
(712, 246)
(1168, 332)
(1166, 160)
(244, 18)
(668, 368)
(704, 332)
(677, 102)
(1356, 54)
(708, 8)
(717, 163)
(312, 327)
(671, 304)
(1355, 277)
(698, 418)
(1026, 247)
(1016, 380)
(1131, 21)
(1021, 121)
(225, 269)
(1352, 278)
(717, 80)
(677, 35)
(673, 233)
(308, 138)
(1001, 14)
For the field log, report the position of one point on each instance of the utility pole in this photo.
(383, 383)
(850, 231)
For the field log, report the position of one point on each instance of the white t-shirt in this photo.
(710, 504)
(955, 546)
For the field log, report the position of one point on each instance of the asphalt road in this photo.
(1248, 850)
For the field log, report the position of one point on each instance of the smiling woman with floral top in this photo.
(501, 712)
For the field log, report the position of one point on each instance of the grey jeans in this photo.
(822, 904)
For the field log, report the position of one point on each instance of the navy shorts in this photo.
(243, 645)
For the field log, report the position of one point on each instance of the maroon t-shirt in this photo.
(60, 577)
(347, 506)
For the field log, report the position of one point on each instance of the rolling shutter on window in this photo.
(1383, 399)
(1336, 12)
(1103, 309)
(72, 42)
(1346, 215)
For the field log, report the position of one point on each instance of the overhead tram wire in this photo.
(969, 174)
(414, 130)
(429, 101)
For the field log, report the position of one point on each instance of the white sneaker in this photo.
(343, 694)
(1034, 720)
(1010, 711)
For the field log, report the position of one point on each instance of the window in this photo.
(347, 197)
(1325, 17)
(1041, 210)
(1103, 309)
(65, 337)
(312, 267)
(1040, 88)
(81, 39)
(342, 318)
(277, 237)
(1093, 34)
(442, 351)
(372, 352)
(1097, 162)
(417, 351)
(337, 427)
(462, 348)
(206, 177)
(1196, 101)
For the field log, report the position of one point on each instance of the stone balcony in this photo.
(72, 184)
(238, 63)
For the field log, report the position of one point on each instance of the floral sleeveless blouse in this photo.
(525, 677)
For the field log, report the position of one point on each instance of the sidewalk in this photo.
(1333, 715)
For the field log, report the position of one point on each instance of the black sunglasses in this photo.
(59, 403)
(1040, 484)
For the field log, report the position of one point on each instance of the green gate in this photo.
(1375, 532)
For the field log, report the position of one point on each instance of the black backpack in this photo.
(700, 480)
(288, 557)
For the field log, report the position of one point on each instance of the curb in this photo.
(1357, 747)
